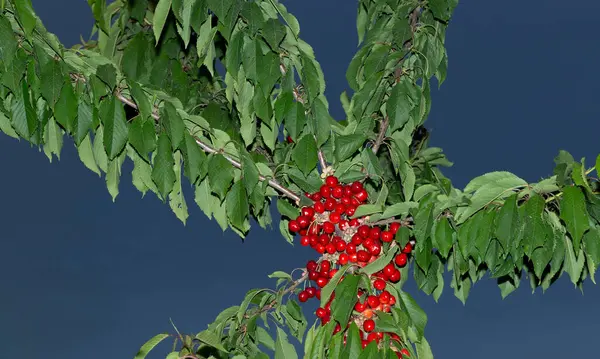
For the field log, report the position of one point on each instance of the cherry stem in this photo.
(208, 149)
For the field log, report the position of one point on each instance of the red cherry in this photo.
(329, 204)
(384, 297)
(313, 275)
(317, 197)
(379, 284)
(303, 296)
(375, 233)
(387, 236)
(311, 266)
(303, 221)
(407, 248)
(362, 195)
(364, 230)
(339, 208)
(334, 217)
(343, 259)
(405, 352)
(373, 301)
(340, 246)
(308, 212)
(353, 257)
(363, 255)
(375, 248)
(321, 313)
(330, 248)
(363, 343)
(305, 241)
(324, 239)
(337, 328)
(343, 224)
(328, 227)
(325, 191)
(350, 210)
(351, 248)
(354, 221)
(394, 227)
(332, 273)
(392, 300)
(347, 192)
(346, 201)
(325, 266)
(322, 281)
(337, 191)
(369, 325)
(356, 187)
(320, 248)
(331, 181)
(401, 260)
(311, 291)
(289, 139)
(395, 277)
(373, 337)
(388, 270)
(294, 226)
(318, 294)
(356, 239)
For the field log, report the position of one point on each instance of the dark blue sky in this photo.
(82, 276)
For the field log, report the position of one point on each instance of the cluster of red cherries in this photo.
(328, 227)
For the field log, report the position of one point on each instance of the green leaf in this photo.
(305, 154)
(220, 7)
(320, 121)
(220, 174)
(26, 16)
(283, 348)
(107, 74)
(380, 262)
(415, 313)
(398, 106)
(112, 115)
(150, 344)
(53, 139)
(574, 213)
(24, 118)
(424, 350)
(367, 209)
(598, 165)
(162, 172)
(8, 43)
(85, 118)
(573, 264)
(203, 198)
(53, 81)
(194, 158)
(346, 146)
(142, 136)
(345, 298)
(176, 197)
(353, 347)
(286, 209)
(591, 242)
(113, 175)
(137, 62)
(6, 127)
(210, 338)
(65, 111)
(332, 284)
(507, 223)
(161, 12)
(443, 237)
(237, 205)
(273, 32)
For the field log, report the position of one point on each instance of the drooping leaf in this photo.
(237, 205)
(161, 12)
(113, 118)
(150, 344)
(53, 81)
(305, 154)
(345, 298)
(346, 146)
(162, 171)
(220, 174)
(574, 213)
(283, 348)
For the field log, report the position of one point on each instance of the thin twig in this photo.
(206, 148)
(322, 161)
(381, 135)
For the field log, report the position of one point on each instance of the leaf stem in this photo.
(208, 149)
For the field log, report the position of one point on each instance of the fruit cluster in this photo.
(328, 227)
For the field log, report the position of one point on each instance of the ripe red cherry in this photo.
(332, 273)
(320, 248)
(340, 246)
(373, 301)
(394, 227)
(318, 294)
(339, 208)
(343, 259)
(388, 270)
(303, 221)
(289, 139)
(364, 230)
(334, 217)
(407, 248)
(379, 284)
(294, 226)
(372, 337)
(375, 233)
(395, 276)
(319, 207)
(346, 201)
(356, 239)
(331, 181)
(329, 204)
(313, 275)
(311, 266)
(325, 191)
(375, 248)
(305, 241)
(356, 187)
(405, 352)
(363, 255)
(347, 192)
(354, 221)
(325, 266)
(321, 313)
(303, 296)
(362, 195)
(322, 281)
(337, 191)
(328, 227)
(369, 325)
(316, 197)
(343, 224)
(387, 236)
(311, 291)
(351, 248)
(401, 260)
(308, 212)
(384, 297)
(337, 328)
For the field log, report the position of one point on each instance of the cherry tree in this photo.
(226, 94)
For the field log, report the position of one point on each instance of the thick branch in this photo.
(208, 149)
(381, 135)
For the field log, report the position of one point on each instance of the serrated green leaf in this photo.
(345, 298)
(150, 344)
(273, 32)
(107, 74)
(203, 198)
(380, 262)
(332, 284)
(162, 172)
(443, 237)
(24, 118)
(367, 209)
(346, 146)
(237, 205)
(286, 209)
(220, 174)
(161, 12)
(283, 348)
(65, 111)
(194, 158)
(113, 175)
(353, 347)
(142, 136)
(574, 213)
(507, 223)
(305, 154)
(176, 197)
(113, 118)
(53, 81)
(26, 16)
(573, 264)
(210, 338)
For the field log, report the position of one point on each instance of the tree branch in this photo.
(381, 135)
(208, 149)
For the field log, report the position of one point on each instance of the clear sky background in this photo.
(84, 277)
